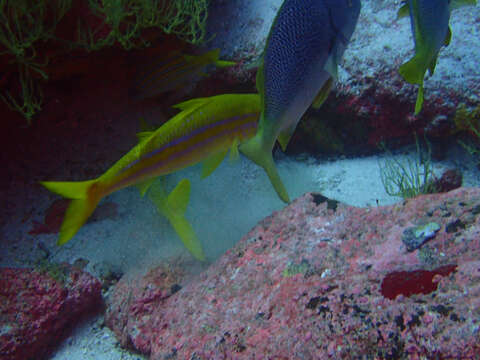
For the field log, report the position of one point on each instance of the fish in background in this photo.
(429, 21)
(205, 130)
(305, 44)
(174, 72)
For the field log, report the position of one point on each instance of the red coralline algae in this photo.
(409, 283)
(37, 310)
(306, 283)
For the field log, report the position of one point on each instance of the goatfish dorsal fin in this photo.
(192, 104)
(173, 207)
(143, 135)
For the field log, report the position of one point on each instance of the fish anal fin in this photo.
(173, 207)
(178, 199)
(323, 94)
(331, 66)
(284, 137)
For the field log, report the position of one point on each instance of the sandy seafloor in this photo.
(223, 208)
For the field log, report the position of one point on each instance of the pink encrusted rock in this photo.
(133, 301)
(36, 310)
(323, 280)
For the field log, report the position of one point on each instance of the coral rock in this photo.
(315, 281)
(36, 309)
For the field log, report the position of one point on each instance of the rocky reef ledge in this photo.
(321, 279)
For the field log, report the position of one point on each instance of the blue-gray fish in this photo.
(429, 20)
(305, 44)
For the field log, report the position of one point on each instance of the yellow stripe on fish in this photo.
(204, 128)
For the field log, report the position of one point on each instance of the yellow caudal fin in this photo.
(173, 207)
(254, 150)
(84, 201)
(419, 102)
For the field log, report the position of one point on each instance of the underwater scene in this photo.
(243, 179)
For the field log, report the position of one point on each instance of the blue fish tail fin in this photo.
(413, 71)
(254, 150)
(85, 198)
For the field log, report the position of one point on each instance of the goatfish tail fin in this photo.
(254, 150)
(173, 207)
(85, 199)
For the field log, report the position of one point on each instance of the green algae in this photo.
(408, 178)
(25, 25)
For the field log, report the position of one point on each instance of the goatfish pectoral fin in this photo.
(254, 150)
(85, 199)
(234, 155)
(173, 207)
(212, 162)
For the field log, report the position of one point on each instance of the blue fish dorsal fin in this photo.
(404, 11)
(323, 94)
(212, 162)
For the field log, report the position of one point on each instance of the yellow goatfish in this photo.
(205, 129)
(172, 73)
